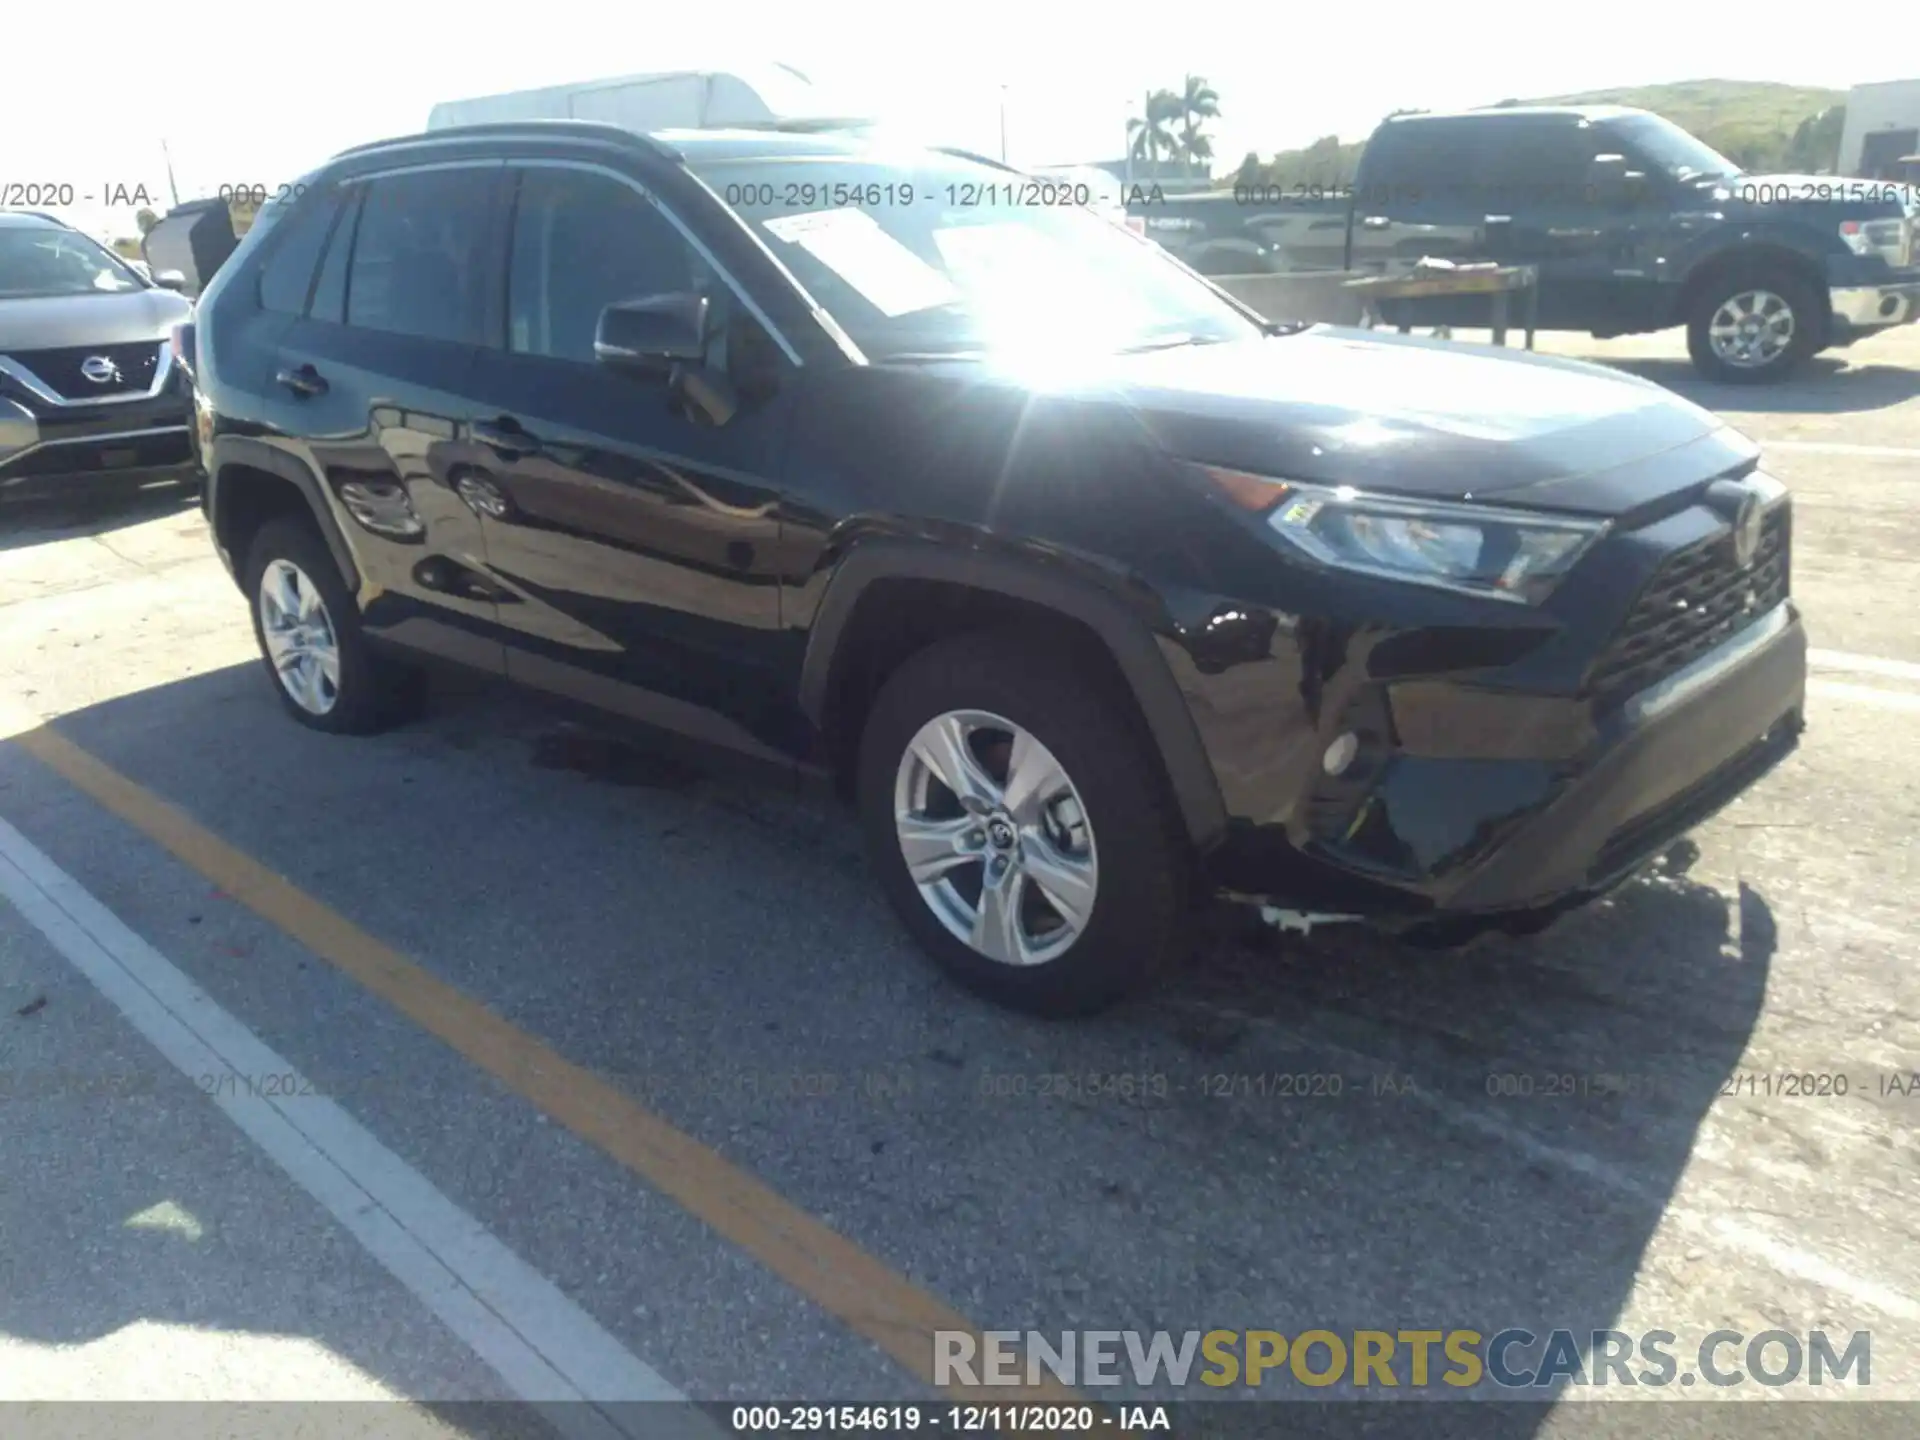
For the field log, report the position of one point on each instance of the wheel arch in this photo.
(890, 599)
(242, 473)
(1752, 255)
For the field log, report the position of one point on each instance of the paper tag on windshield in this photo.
(1028, 272)
(851, 244)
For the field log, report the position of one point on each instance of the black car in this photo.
(1096, 592)
(89, 387)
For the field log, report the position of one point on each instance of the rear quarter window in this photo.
(293, 254)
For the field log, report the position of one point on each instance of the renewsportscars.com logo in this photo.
(1371, 1360)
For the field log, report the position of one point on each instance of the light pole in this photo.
(172, 188)
(1003, 124)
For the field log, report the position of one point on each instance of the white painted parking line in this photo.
(1835, 447)
(1863, 664)
(1865, 695)
(545, 1348)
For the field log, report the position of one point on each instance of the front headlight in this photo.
(1853, 235)
(1479, 549)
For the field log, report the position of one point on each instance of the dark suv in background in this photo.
(1095, 591)
(89, 389)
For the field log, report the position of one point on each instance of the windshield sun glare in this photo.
(921, 261)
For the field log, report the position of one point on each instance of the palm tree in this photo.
(1198, 102)
(1153, 136)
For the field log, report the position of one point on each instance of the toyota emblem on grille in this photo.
(1740, 503)
(99, 369)
(1746, 530)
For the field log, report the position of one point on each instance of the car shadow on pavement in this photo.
(95, 509)
(1826, 386)
(1333, 1133)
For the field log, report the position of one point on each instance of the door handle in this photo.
(302, 380)
(506, 436)
(1375, 222)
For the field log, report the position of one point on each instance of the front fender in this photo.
(1725, 242)
(1127, 633)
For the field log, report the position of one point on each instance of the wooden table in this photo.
(1499, 282)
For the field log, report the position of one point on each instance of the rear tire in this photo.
(1755, 326)
(326, 675)
(1092, 859)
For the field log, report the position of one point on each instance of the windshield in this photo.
(36, 261)
(940, 256)
(1670, 148)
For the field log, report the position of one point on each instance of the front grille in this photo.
(60, 370)
(1696, 600)
(139, 452)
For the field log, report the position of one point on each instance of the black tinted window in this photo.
(419, 255)
(1532, 162)
(287, 273)
(1410, 162)
(581, 242)
(330, 290)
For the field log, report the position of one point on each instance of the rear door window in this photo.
(1517, 164)
(1416, 163)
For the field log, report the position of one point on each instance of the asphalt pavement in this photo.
(471, 1063)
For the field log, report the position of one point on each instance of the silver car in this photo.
(90, 384)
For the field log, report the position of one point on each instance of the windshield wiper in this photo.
(1170, 342)
(926, 357)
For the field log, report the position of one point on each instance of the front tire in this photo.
(308, 629)
(1015, 817)
(1755, 327)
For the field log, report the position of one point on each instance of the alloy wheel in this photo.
(1751, 329)
(996, 838)
(299, 636)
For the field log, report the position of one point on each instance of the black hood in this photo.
(53, 322)
(1424, 417)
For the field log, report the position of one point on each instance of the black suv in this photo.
(88, 384)
(1094, 590)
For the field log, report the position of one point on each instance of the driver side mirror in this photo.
(652, 335)
(665, 336)
(1610, 182)
(170, 280)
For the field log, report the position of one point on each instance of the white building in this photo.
(1883, 127)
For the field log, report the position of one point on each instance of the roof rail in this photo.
(527, 129)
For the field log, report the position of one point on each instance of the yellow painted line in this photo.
(826, 1267)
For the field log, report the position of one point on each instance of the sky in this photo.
(245, 92)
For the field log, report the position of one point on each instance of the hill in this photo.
(1751, 121)
(1758, 124)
